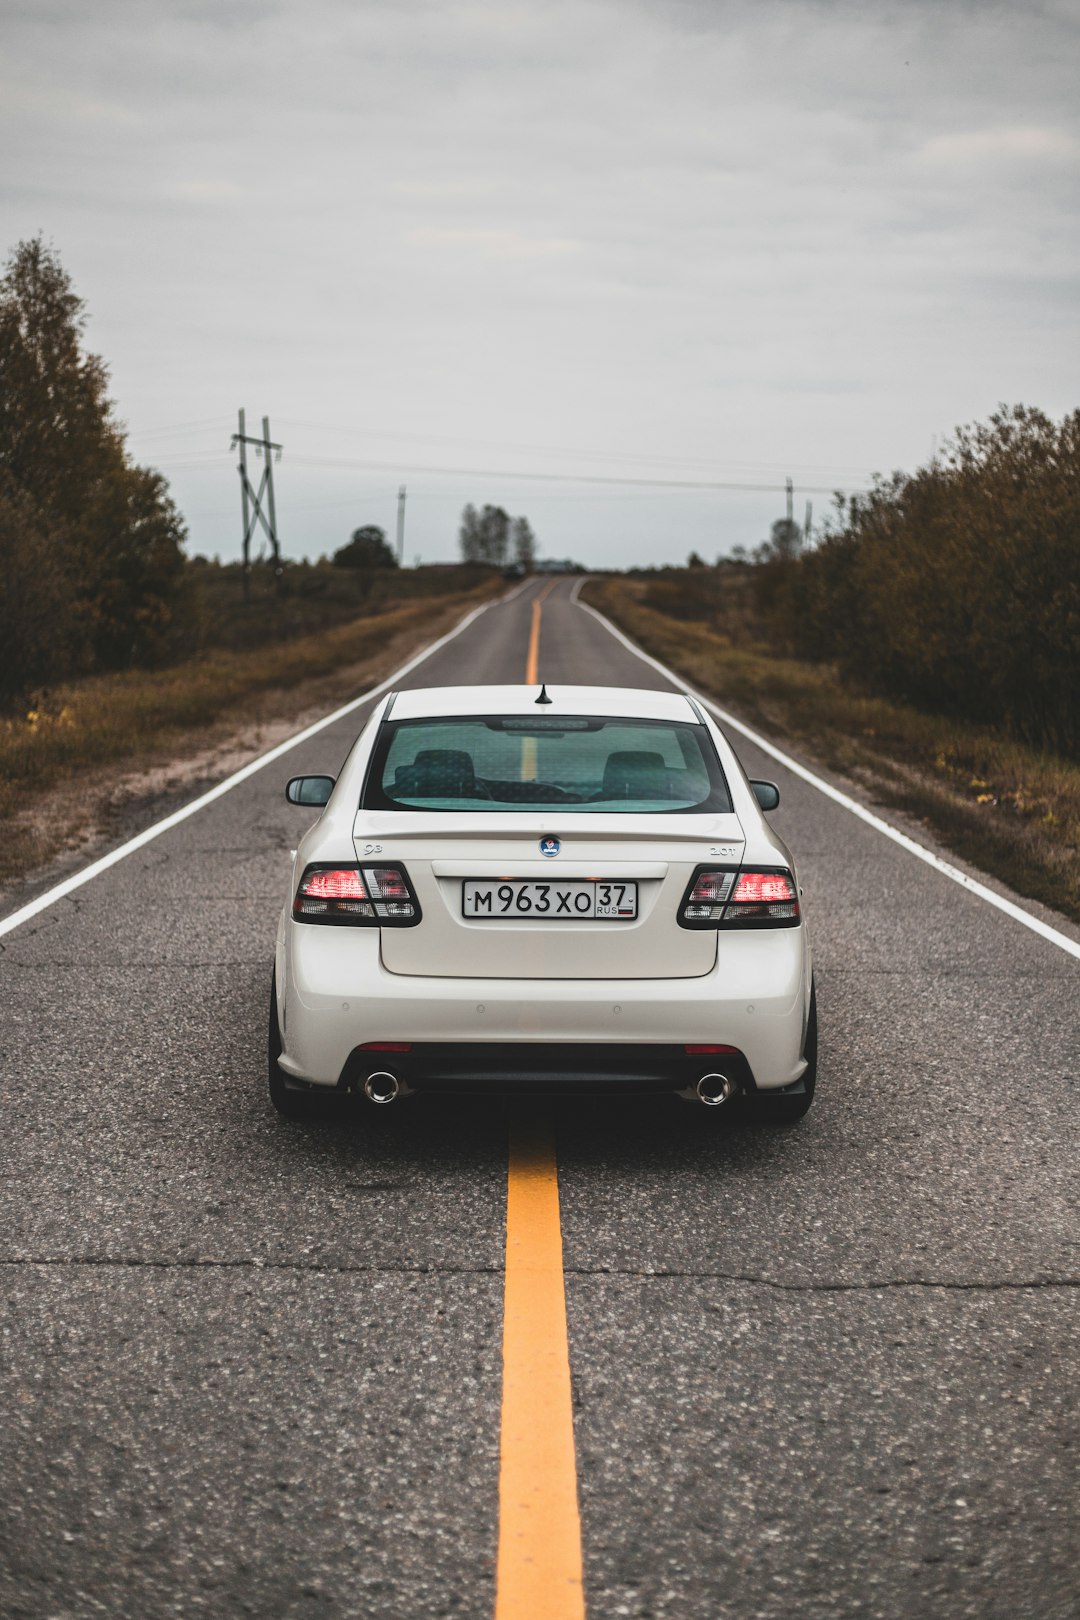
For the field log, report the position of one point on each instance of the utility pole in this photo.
(790, 488)
(252, 499)
(268, 472)
(401, 526)
(809, 522)
(241, 438)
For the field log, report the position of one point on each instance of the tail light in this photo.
(360, 896)
(763, 898)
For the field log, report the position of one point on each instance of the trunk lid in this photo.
(441, 851)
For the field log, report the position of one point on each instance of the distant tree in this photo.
(58, 440)
(368, 548)
(783, 544)
(109, 527)
(138, 605)
(524, 542)
(484, 536)
(695, 561)
(495, 530)
(469, 534)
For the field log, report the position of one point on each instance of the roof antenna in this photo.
(543, 698)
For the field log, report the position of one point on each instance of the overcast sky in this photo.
(678, 240)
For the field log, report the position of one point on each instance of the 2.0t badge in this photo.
(550, 846)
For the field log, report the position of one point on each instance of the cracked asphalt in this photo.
(253, 1368)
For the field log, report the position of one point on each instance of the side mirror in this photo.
(767, 794)
(311, 790)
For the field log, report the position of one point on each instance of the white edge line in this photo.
(147, 836)
(1036, 924)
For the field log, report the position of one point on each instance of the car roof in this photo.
(630, 702)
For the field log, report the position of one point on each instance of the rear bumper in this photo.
(525, 1068)
(335, 997)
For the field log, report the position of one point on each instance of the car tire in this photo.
(789, 1109)
(289, 1100)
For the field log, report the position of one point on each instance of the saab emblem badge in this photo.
(550, 846)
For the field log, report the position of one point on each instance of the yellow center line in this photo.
(532, 659)
(532, 677)
(538, 1576)
(539, 1568)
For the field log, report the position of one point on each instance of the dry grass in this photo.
(1009, 809)
(65, 763)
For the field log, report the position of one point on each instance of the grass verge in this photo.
(1006, 808)
(82, 759)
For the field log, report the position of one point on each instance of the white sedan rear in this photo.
(511, 889)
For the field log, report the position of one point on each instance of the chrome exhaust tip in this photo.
(381, 1087)
(715, 1089)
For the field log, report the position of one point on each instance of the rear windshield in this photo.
(513, 762)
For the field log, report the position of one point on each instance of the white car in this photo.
(566, 889)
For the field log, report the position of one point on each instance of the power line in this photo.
(210, 458)
(636, 456)
(174, 427)
(564, 478)
(380, 491)
(194, 458)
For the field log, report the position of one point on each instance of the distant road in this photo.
(254, 1369)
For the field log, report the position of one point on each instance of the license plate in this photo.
(584, 901)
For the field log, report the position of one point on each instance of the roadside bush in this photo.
(722, 597)
(40, 631)
(958, 587)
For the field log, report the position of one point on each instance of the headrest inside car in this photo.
(435, 772)
(635, 773)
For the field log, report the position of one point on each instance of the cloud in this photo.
(35, 99)
(1013, 144)
(207, 190)
(494, 243)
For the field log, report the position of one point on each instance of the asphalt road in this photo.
(253, 1368)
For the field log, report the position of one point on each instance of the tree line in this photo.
(956, 587)
(492, 536)
(91, 545)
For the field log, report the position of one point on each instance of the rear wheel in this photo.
(290, 1100)
(786, 1109)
